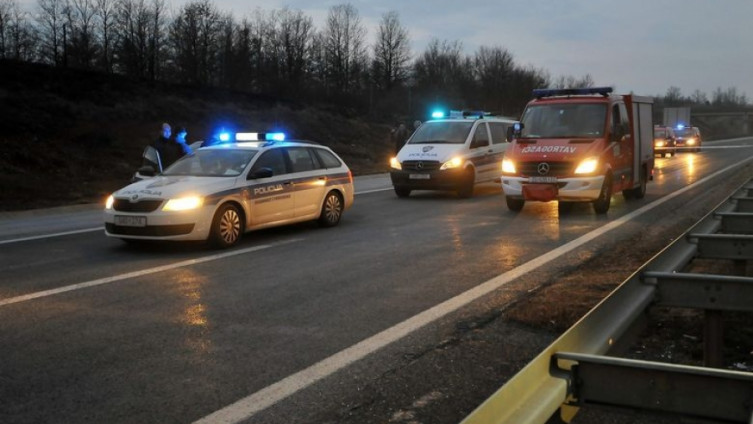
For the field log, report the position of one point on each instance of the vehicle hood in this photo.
(162, 187)
(554, 149)
(435, 152)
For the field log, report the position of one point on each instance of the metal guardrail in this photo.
(574, 371)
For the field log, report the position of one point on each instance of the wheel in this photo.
(332, 210)
(466, 186)
(601, 205)
(564, 208)
(402, 191)
(515, 205)
(227, 226)
(640, 191)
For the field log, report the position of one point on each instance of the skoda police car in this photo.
(452, 152)
(221, 191)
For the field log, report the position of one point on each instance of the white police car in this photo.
(451, 153)
(224, 190)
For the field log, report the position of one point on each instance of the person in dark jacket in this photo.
(171, 149)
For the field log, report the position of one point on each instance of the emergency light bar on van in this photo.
(551, 92)
(252, 136)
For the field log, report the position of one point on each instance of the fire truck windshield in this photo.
(564, 120)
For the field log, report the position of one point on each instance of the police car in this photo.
(255, 181)
(451, 152)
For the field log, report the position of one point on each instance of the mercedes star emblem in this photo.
(543, 168)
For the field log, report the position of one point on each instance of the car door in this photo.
(310, 180)
(270, 199)
(499, 144)
(481, 153)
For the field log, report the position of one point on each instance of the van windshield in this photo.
(564, 120)
(441, 132)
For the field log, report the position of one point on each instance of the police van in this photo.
(255, 181)
(452, 152)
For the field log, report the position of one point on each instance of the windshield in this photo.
(660, 133)
(441, 132)
(212, 163)
(684, 132)
(564, 120)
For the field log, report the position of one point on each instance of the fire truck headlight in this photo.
(691, 141)
(395, 164)
(508, 166)
(587, 166)
(452, 163)
(659, 143)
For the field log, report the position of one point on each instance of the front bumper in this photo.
(580, 189)
(450, 179)
(160, 225)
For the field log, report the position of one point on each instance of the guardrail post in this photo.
(713, 339)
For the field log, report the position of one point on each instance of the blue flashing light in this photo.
(550, 92)
(224, 136)
(680, 126)
(437, 114)
(276, 136)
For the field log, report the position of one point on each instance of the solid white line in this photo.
(134, 274)
(245, 408)
(66, 233)
(376, 190)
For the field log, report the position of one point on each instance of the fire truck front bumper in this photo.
(581, 189)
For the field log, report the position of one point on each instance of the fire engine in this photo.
(579, 145)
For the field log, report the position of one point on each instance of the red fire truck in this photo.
(580, 145)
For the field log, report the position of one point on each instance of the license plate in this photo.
(546, 180)
(130, 221)
(419, 176)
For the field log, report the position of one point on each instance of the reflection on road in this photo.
(194, 314)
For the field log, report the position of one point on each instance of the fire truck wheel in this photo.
(466, 185)
(640, 191)
(564, 208)
(515, 205)
(601, 205)
(402, 191)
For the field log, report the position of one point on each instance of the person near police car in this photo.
(400, 136)
(171, 149)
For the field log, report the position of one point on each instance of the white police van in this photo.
(452, 153)
(221, 191)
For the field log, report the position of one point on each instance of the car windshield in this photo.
(684, 132)
(660, 133)
(441, 132)
(223, 162)
(564, 120)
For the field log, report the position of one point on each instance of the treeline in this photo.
(720, 99)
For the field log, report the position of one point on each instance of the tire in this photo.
(515, 205)
(640, 191)
(564, 208)
(466, 186)
(402, 191)
(227, 227)
(601, 205)
(332, 209)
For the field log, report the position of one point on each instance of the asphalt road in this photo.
(94, 330)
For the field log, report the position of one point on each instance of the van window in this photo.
(499, 132)
(480, 136)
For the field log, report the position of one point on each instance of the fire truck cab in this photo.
(579, 145)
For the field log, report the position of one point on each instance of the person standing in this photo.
(400, 136)
(169, 149)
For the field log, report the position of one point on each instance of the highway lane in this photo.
(175, 345)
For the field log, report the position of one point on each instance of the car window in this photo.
(301, 159)
(272, 159)
(480, 136)
(327, 159)
(499, 132)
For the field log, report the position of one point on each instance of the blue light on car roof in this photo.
(275, 136)
(437, 114)
(680, 126)
(224, 136)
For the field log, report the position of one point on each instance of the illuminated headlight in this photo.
(452, 163)
(691, 141)
(183, 204)
(508, 166)
(659, 143)
(108, 203)
(395, 164)
(588, 166)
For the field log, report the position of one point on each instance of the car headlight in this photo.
(508, 166)
(108, 203)
(587, 166)
(395, 164)
(691, 141)
(452, 163)
(183, 203)
(659, 143)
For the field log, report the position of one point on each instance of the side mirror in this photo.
(514, 131)
(260, 173)
(146, 171)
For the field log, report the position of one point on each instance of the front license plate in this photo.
(130, 221)
(542, 180)
(419, 176)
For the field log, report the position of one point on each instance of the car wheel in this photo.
(332, 210)
(564, 208)
(227, 226)
(601, 205)
(515, 205)
(466, 185)
(402, 191)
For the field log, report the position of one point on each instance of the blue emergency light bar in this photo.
(437, 114)
(478, 114)
(551, 92)
(252, 136)
(680, 126)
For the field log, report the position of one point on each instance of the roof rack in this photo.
(551, 92)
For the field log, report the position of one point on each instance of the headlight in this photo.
(108, 203)
(452, 163)
(588, 166)
(659, 143)
(691, 141)
(508, 166)
(395, 164)
(183, 203)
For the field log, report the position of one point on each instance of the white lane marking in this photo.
(43, 236)
(247, 407)
(376, 190)
(134, 274)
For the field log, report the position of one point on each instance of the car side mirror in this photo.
(260, 173)
(147, 171)
(514, 131)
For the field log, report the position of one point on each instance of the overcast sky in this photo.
(644, 46)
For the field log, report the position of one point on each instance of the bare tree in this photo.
(294, 37)
(344, 46)
(156, 39)
(81, 45)
(194, 37)
(21, 39)
(438, 69)
(133, 20)
(6, 10)
(51, 20)
(493, 67)
(570, 81)
(105, 12)
(391, 52)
